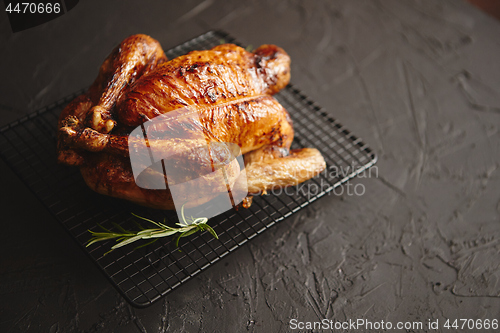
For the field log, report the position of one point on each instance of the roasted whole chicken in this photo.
(195, 114)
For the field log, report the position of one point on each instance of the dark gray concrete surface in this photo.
(418, 80)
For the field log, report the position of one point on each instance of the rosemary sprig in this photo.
(123, 237)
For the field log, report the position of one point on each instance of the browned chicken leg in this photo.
(135, 56)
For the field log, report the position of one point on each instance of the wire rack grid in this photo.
(145, 275)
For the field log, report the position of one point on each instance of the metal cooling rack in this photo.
(144, 275)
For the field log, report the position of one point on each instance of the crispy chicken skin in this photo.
(229, 92)
(227, 74)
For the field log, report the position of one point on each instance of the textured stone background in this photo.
(418, 80)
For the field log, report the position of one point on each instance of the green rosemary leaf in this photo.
(178, 239)
(126, 241)
(100, 226)
(124, 237)
(146, 244)
(211, 231)
(123, 230)
(121, 239)
(138, 225)
(199, 220)
(95, 240)
(104, 234)
(161, 225)
(183, 222)
(189, 232)
(162, 234)
(146, 232)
